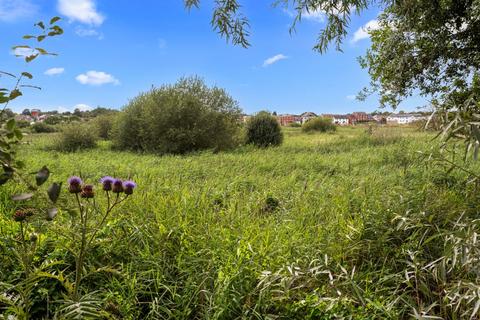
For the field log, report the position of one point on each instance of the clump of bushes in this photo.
(76, 137)
(263, 130)
(104, 124)
(295, 125)
(180, 118)
(40, 127)
(319, 124)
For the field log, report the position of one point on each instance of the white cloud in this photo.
(351, 97)
(54, 71)
(24, 52)
(88, 32)
(274, 59)
(314, 15)
(83, 11)
(82, 107)
(96, 78)
(363, 32)
(12, 10)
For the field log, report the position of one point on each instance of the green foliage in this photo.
(23, 124)
(295, 125)
(319, 124)
(357, 230)
(41, 127)
(104, 124)
(180, 118)
(232, 24)
(75, 137)
(263, 130)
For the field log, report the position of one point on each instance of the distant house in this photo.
(341, 120)
(307, 116)
(359, 117)
(405, 118)
(287, 119)
(35, 113)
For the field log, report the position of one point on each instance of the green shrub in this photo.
(53, 120)
(295, 125)
(23, 123)
(263, 130)
(180, 118)
(104, 124)
(40, 127)
(76, 137)
(319, 124)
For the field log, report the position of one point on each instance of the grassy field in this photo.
(197, 240)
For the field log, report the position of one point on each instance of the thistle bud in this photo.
(19, 215)
(117, 186)
(74, 184)
(128, 187)
(87, 191)
(107, 183)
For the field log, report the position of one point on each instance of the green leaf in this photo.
(54, 19)
(42, 51)
(11, 124)
(30, 58)
(42, 176)
(27, 75)
(54, 191)
(22, 196)
(40, 24)
(41, 38)
(28, 37)
(15, 94)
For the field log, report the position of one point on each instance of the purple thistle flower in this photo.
(128, 187)
(117, 186)
(107, 183)
(75, 184)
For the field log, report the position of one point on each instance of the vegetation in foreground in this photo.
(350, 224)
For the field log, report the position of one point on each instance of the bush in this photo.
(319, 124)
(295, 125)
(180, 118)
(263, 130)
(76, 137)
(40, 127)
(23, 124)
(104, 124)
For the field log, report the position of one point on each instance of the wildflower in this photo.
(107, 183)
(75, 184)
(128, 187)
(19, 215)
(117, 186)
(87, 191)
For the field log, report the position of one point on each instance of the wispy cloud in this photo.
(23, 52)
(274, 59)
(83, 11)
(96, 78)
(82, 107)
(363, 32)
(88, 32)
(54, 71)
(12, 10)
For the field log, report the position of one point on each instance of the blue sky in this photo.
(112, 50)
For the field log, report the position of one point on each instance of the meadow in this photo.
(346, 224)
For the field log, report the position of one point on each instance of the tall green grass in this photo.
(362, 221)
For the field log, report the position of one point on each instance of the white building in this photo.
(405, 118)
(340, 120)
